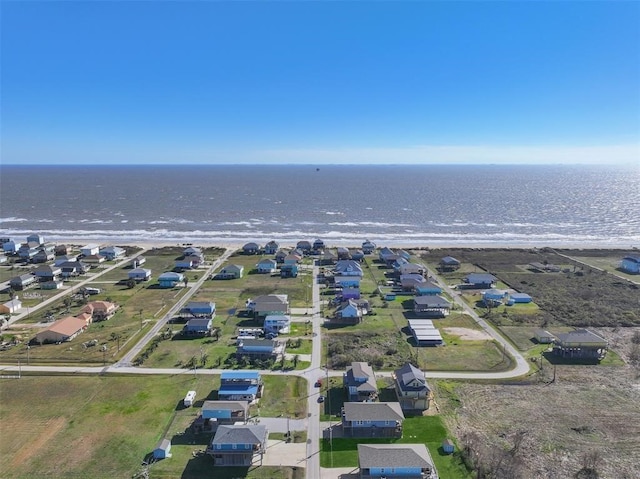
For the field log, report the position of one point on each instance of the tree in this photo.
(67, 303)
(186, 281)
(131, 283)
(296, 358)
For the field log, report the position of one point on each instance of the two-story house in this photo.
(238, 445)
(412, 388)
(360, 382)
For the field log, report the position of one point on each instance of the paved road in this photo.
(134, 351)
(76, 286)
(311, 374)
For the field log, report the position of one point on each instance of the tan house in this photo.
(62, 330)
(11, 307)
(100, 310)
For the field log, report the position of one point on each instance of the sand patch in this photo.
(40, 439)
(469, 334)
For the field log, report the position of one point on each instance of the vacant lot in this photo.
(578, 296)
(549, 429)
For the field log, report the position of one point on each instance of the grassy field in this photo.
(428, 430)
(103, 427)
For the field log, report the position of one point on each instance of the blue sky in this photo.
(320, 82)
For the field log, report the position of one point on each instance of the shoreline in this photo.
(237, 244)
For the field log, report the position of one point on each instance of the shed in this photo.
(543, 337)
(448, 447)
(162, 450)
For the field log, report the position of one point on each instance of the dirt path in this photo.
(469, 334)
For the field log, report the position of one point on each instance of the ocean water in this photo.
(418, 205)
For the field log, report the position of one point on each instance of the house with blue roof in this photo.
(494, 297)
(347, 281)
(372, 419)
(519, 298)
(200, 309)
(170, 279)
(139, 274)
(630, 264)
(368, 247)
(238, 445)
(271, 247)
(427, 288)
(390, 461)
(240, 386)
(225, 412)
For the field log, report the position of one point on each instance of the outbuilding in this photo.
(162, 450)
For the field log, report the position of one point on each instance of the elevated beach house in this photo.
(240, 386)
(269, 304)
(277, 323)
(431, 306)
(267, 266)
(238, 445)
(139, 274)
(271, 247)
(216, 413)
(259, 349)
(230, 271)
(390, 461)
(448, 263)
(200, 309)
(412, 388)
(581, 344)
(170, 279)
(368, 247)
(360, 382)
(198, 327)
(22, 281)
(251, 248)
(480, 280)
(112, 252)
(372, 419)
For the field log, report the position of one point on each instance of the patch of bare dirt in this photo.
(468, 334)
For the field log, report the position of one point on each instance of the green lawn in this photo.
(429, 430)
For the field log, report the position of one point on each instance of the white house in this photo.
(279, 324)
(90, 250)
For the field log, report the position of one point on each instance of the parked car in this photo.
(319, 383)
(321, 398)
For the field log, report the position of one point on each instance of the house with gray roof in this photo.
(238, 445)
(448, 263)
(22, 281)
(412, 388)
(386, 461)
(372, 419)
(480, 280)
(431, 306)
(360, 382)
(581, 344)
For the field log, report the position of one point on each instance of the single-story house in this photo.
(170, 279)
(267, 266)
(251, 248)
(162, 449)
(240, 386)
(230, 271)
(630, 264)
(360, 382)
(390, 461)
(112, 252)
(94, 259)
(198, 327)
(431, 306)
(22, 281)
(64, 329)
(11, 307)
(519, 298)
(53, 284)
(543, 336)
(139, 274)
(238, 445)
(279, 324)
(480, 280)
(200, 309)
(412, 388)
(448, 263)
(189, 262)
(372, 419)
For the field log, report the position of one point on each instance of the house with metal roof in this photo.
(431, 306)
(630, 264)
(368, 247)
(372, 419)
(139, 274)
(200, 309)
(425, 333)
(581, 344)
(480, 280)
(230, 271)
(225, 412)
(240, 386)
(238, 445)
(271, 247)
(259, 348)
(267, 265)
(267, 304)
(348, 267)
(387, 461)
(22, 281)
(170, 279)
(162, 449)
(251, 248)
(10, 307)
(412, 388)
(112, 252)
(448, 263)
(360, 382)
